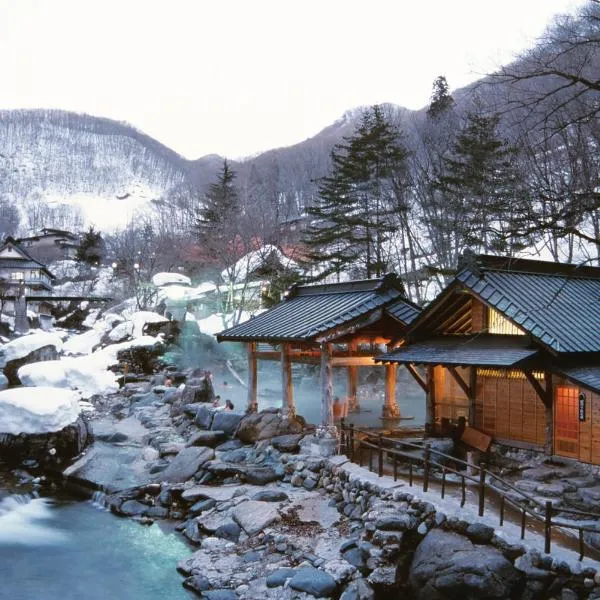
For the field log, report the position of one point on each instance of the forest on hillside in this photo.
(509, 165)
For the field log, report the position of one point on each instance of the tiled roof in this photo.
(587, 376)
(459, 350)
(312, 310)
(557, 304)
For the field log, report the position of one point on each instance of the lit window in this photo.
(499, 324)
(17, 276)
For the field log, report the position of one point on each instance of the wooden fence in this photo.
(355, 443)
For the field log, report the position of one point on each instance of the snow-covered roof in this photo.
(162, 279)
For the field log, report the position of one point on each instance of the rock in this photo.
(202, 391)
(229, 445)
(260, 475)
(41, 354)
(201, 506)
(355, 557)
(221, 493)
(313, 581)
(524, 565)
(358, 590)
(132, 508)
(266, 424)
(279, 577)
(253, 516)
(448, 565)
(229, 531)
(287, 443)
(150, 454)
(270, 496)
(400, 522)
(185, 464)
(479, 533)
(220, 595)
(204, 416)
(192, 532)
(197, 583)
(207, 438)
(226, 421)
(157, 512)
(383, 577)
(550, 489)
(567, 594)
(591, 495)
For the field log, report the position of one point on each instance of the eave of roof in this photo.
(464, 350)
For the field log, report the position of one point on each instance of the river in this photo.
(67, 549)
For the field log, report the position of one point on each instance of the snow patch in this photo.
(37, 410)
(161, 279)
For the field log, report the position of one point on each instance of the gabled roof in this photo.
(23, 261)
(481, 350)
(309, 311)
(557, 304)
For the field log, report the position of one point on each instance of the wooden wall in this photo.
(589, 430)
(509, 409)
(450, 401)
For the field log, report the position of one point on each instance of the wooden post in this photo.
(548, 527)
(426, 459)
(472, 395)
(352, 387)
(326, 386)
(430, 400)
(288, 407)
(549, 413)
(390, 407)
(252, 378)
(481, 488)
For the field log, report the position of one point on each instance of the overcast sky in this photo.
(237, 77)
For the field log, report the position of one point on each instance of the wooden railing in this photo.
(355, 443)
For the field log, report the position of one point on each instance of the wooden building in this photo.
(513, 345)
(331, 325)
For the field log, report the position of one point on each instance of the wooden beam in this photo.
(288, 407)
(352, 382)
(252, 405)
(540, 391)
(472, 395)
(548, 411)
(417, 377)
(390, 407)
(353, 361)
(430, 399)
(461, 382)
(326, 386)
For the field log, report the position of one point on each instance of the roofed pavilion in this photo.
(332, 325)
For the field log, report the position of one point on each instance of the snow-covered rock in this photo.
(161, 279)
(22, 346)
(82, 343)
(121, 332)
(37, 410)
(140, 318)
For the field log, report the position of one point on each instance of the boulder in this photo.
(42, 354)
(185, 464)
(253, 516)
(221, 493)
(268, 424)
(226, 421)
(358, 590)
(207, 438)
(228, 531)
(448, 565)
(198, 391)
(314, 582)
(287, 443)
(204, 416)
(197, 584)
(280, 576)
(270, 496)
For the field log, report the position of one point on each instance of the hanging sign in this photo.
(582, 406)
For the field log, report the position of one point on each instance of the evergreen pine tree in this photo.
(441, 99)
(91, 247)
(221, 205)
(481, 190)
(352, 216)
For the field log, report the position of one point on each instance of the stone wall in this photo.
(404, 545)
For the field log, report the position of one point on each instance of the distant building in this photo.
(50, 245)
(22, 279)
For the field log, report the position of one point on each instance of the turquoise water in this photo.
(71, 550)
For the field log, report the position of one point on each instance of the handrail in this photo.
(389, 446)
